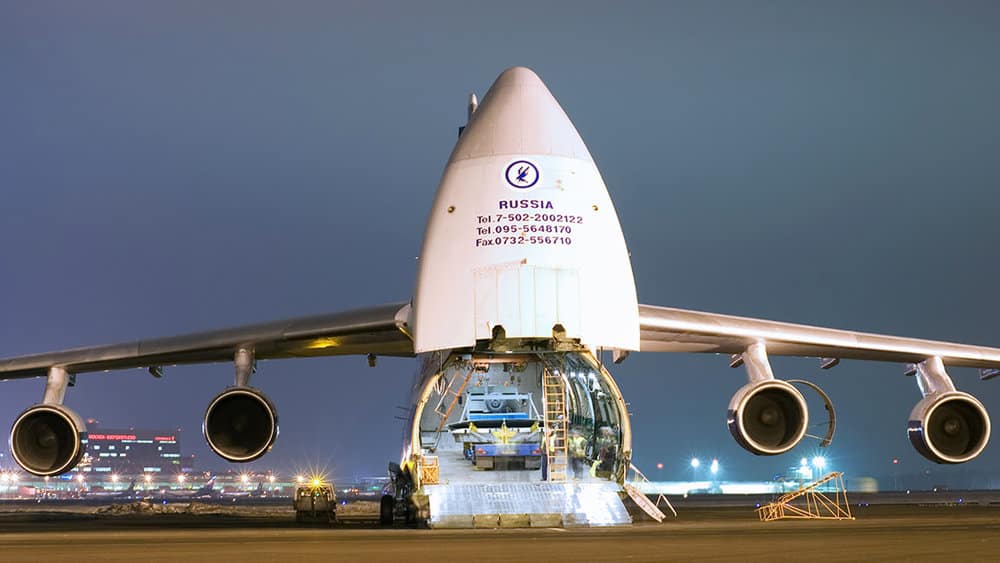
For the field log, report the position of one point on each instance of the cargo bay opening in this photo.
(518, 417)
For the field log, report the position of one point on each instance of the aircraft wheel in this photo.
(387, 510)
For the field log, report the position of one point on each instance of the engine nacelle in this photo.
(240, 424)
(951, 427)
(47, 440)
(768, 417)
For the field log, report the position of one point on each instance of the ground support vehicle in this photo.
(315, 502)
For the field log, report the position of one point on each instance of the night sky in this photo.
(173, 167)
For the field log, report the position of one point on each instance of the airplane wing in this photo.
(664, 329)
(380, 330)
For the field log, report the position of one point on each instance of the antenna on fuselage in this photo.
(473, 104)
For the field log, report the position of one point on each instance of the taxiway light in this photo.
(695, 462)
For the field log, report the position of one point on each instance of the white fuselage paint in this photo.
(522, 233)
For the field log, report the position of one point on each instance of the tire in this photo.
(387, 510)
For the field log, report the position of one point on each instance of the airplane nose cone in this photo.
(519, 75)
(519, 116)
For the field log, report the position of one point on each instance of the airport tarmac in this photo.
(880, 533)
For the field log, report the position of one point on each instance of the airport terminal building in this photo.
(133, 451)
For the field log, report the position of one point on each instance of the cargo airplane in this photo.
(524, 279)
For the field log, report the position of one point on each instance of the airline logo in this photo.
(521, 174)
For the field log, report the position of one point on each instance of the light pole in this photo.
(695, 464)
(895, 473)
(819, 462)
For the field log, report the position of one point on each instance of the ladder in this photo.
(444, 414)
(556, 441)
(642, 501)
(818, 505)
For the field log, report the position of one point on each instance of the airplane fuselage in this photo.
(523, 277)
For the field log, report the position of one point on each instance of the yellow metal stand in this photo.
(818, 505)
(430, 470)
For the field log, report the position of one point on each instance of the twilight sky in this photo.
(183, 166)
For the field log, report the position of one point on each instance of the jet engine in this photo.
(240, 424)
(951, 427)
(47, 439)
(768, 417)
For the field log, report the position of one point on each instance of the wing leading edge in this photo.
(665, 329)
(380, 330)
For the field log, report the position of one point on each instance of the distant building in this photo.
(133, 451)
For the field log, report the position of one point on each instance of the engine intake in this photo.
(768, 418)
(240, 424)
(46, 440)
(950, 427)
